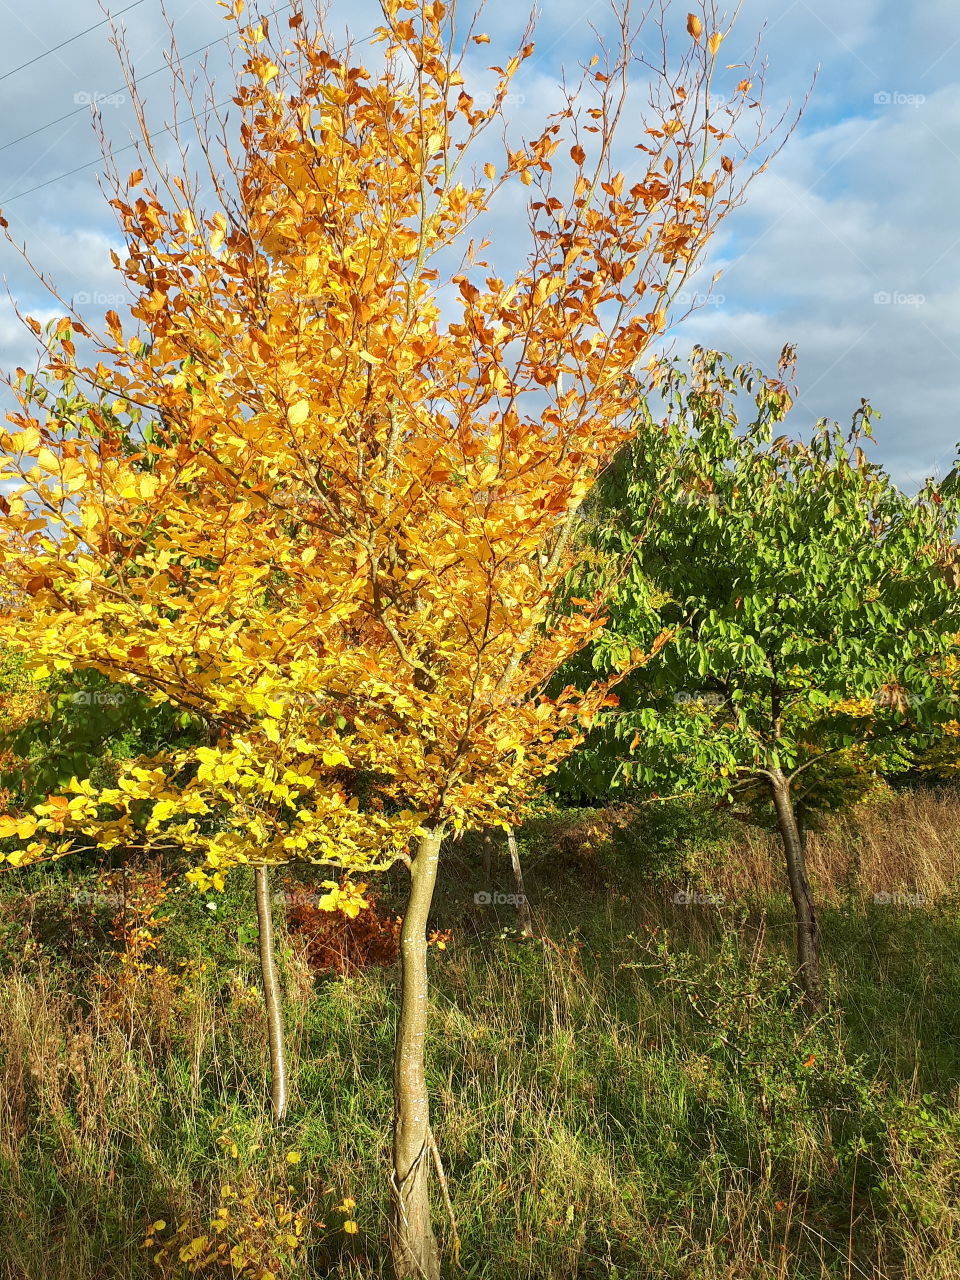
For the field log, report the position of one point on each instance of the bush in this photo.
(673, 841)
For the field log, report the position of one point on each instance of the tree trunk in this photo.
(523, 906)
(271, 993)
(794, 845)
(412, 1242)
(486, 857)
(802, 832)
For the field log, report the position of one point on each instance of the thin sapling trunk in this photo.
(523, 906)
(271, 992)
(412, 1241)
(808, 933)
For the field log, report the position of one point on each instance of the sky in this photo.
(848, 246)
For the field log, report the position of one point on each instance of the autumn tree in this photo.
(812, 631)
(342, 533)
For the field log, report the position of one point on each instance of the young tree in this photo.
(343, 534)
(809, 620)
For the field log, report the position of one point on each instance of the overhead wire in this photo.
(140, 78)
(63, 43)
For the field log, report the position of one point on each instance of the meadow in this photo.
(633, 1093)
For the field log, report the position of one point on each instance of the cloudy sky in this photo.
(847, 246)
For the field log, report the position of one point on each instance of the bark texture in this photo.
(794, 846)
(412, 1241)
(523, 906)
(271, 993)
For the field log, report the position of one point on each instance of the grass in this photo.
(635, 1095)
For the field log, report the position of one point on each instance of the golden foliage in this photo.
(298, 504)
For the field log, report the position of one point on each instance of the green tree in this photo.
(812, 626)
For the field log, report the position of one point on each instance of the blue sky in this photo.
(848, 246)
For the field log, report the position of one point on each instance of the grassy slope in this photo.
(638, 1097)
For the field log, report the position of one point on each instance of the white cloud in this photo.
(860, 201)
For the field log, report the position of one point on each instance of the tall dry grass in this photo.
(636, 1097)
(908, 842)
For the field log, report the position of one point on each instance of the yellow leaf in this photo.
(220, 231)
(23, 828)
(298, 413)
(713, 44)
(73, 471)
(47, 460)
(365, 355)
(27, 440)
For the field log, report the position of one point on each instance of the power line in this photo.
(120, 150)
(63, 44)
(77, 110)
(90, 163)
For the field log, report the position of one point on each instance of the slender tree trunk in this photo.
(412, 1242)
(794, 845)
(523, 906)
(486, 856)
(271, 993)
(802, 830)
